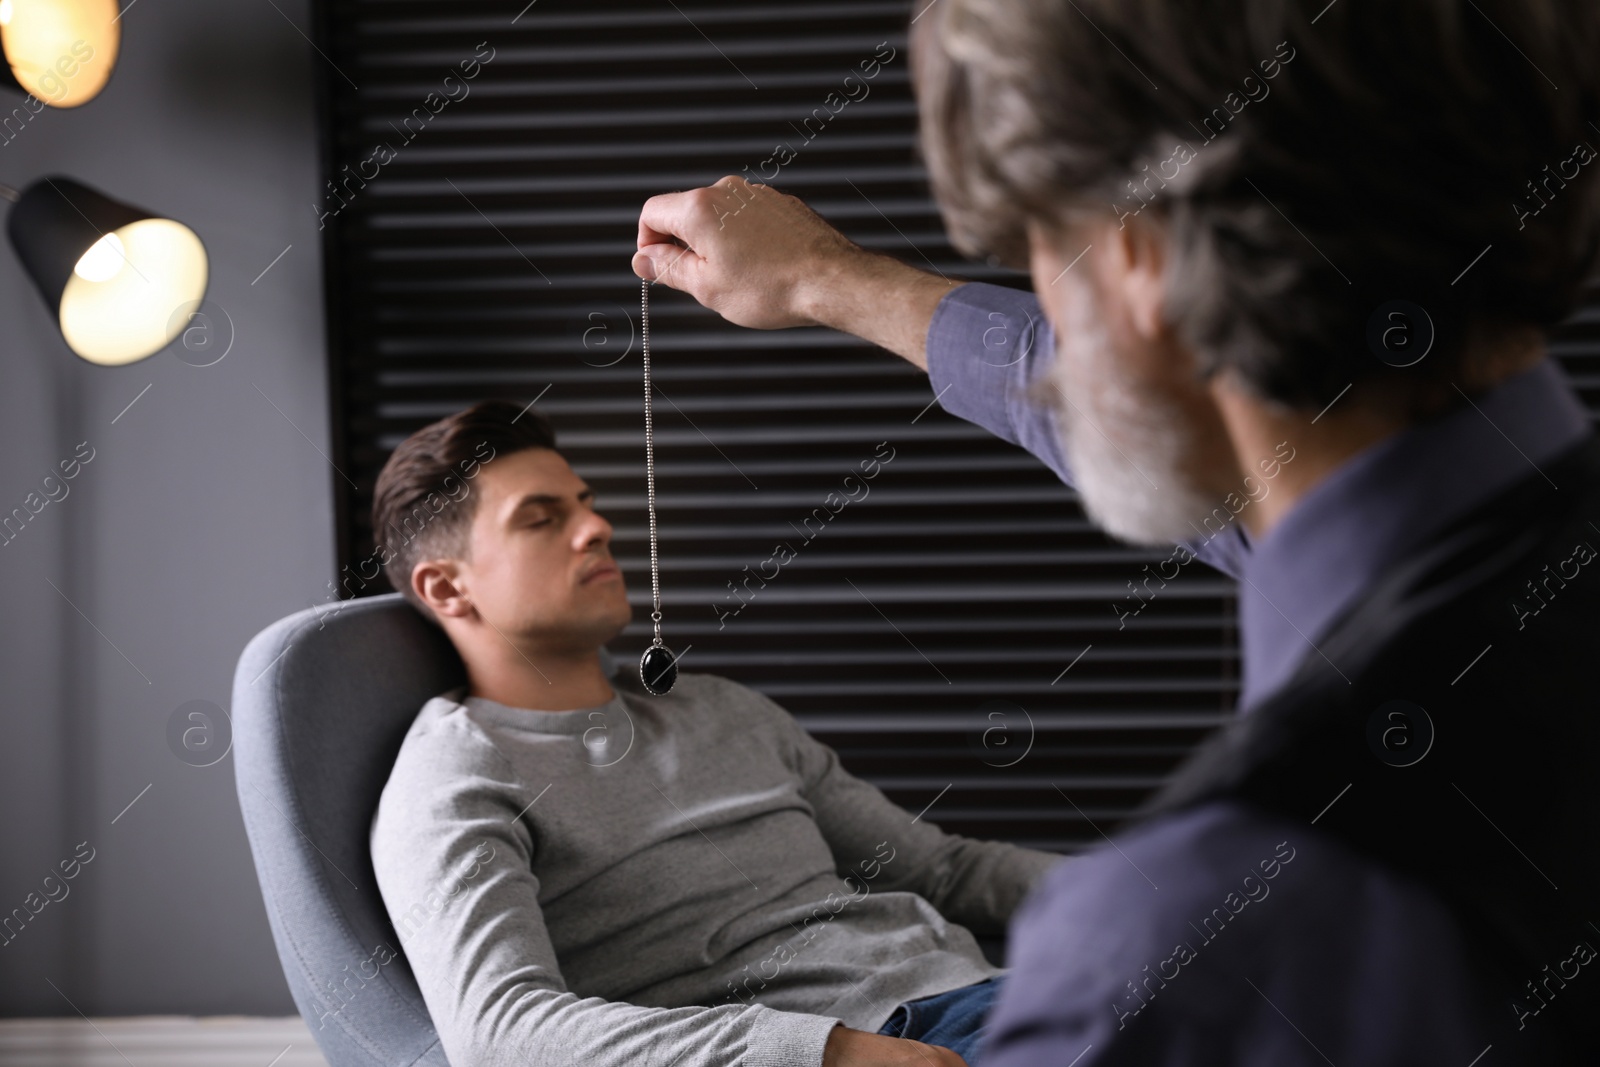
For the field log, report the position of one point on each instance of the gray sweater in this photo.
(689, 880)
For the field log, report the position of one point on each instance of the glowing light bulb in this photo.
(60, 51)
(104, 258)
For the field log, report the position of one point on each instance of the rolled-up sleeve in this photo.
(987, 345)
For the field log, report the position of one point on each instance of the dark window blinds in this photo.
(947, 624)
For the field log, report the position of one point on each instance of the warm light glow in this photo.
(133, 312)
(61, 51)
(104, 258)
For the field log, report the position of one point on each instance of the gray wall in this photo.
(204, 515)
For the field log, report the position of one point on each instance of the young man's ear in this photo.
(437, 583)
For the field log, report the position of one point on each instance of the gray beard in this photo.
(1126, 447)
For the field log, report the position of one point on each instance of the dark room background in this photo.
(951, 633)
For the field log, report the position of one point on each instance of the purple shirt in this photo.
(1155, 951)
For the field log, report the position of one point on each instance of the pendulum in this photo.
(658, 667)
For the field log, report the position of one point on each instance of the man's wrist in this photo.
(825, 290)
(858, 1048)
(875, 297)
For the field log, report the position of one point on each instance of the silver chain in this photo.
(650, 461)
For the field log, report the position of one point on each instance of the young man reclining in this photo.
(687, 880)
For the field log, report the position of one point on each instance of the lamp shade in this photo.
(60, 51)
(118, 278)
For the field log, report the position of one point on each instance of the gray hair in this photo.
(1397, 141)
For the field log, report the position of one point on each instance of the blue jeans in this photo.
(953, 1020)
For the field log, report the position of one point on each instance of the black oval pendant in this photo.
(658, 670)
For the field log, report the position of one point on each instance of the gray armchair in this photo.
(321, 701)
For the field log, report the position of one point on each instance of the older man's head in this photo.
(1263, 196)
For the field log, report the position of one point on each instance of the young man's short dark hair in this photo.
(423, 504)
